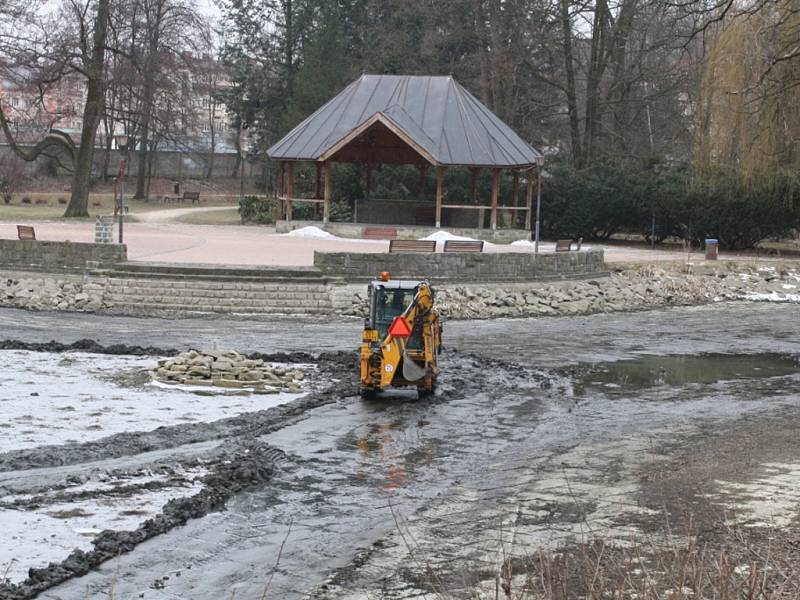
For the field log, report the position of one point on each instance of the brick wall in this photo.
(59, 256)
(510, 266)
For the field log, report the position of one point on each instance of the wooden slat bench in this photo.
(194, 197)
(26, 232)
(379, 233)
(566, 245)
(412, 246)
(463, 245)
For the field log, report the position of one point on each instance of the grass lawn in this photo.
(215, 217)
(51, 206)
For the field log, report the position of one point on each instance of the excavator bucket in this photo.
(411, 370)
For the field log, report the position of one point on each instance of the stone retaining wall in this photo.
(57, 256)
(510, 266)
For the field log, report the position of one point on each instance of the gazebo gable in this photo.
(382, 139)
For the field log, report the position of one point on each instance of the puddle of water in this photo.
(653, 371)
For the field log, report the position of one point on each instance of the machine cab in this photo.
(387, 300)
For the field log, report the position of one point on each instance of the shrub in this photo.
(603, 200)
(304, 212)
(593, 203)
(62, 200)
(741, 213)
(26, 200)
(257, 209)
(341, 212)
(11, 177)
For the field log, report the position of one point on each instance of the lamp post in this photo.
(119, 194)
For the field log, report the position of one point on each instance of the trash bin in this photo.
(712, 249)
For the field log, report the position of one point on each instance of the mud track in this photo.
(230, 450)
(607, 428)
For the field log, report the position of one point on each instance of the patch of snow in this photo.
(786, 286)
(51, 398)
(442, 236)
(53, 530)
(772, 297)
(312, 232)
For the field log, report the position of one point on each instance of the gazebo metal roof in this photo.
(436, 116)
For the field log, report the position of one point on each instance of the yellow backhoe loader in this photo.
(402, 337)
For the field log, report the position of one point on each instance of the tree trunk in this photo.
(597, 64)
(154, 32)
(572, 97)
(95, 95)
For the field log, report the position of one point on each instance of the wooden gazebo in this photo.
(409, 120)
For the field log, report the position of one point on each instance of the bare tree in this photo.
(47, 54)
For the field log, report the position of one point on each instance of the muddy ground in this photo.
(544, 434)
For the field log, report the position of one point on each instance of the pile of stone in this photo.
(640, 288)
(227, 369)
(51, 294)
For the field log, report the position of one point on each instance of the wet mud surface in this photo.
(543, 435)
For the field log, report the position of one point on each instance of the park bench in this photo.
(194, 197)
(412, 246)
(26, 232)
(566, 245)
(379, 233)
(463, 245)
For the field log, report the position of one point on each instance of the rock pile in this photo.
(52, 294)
(641, 288)
(227, 369)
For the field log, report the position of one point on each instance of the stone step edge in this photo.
(139, 308)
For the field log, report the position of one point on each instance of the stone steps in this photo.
(140, 308)
(136, 296)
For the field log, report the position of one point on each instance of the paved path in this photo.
(160, 238)
(174, 214)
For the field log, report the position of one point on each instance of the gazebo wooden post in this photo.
(289, 189)
(318, 187)
(326, 205)
(369, 181)
(528, 198)
(474, 172)
(439, 195)
(279, 189)
(495, 190)
(515, 198)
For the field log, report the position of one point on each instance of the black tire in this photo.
(428, 391)
(369, 393)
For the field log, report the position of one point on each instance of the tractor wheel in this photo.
(369, 393)
(427, 390)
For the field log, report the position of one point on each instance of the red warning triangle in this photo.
(399, 328)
